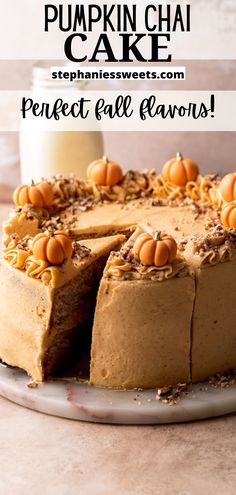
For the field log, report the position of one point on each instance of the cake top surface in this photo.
(19, 255)
(60, 214)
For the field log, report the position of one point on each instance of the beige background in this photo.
(42, 454)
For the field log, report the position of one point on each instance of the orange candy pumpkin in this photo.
(179, 171)
(39, 195)
(159, 250)
(53, 248)
(228, 187)
(228, 216)
(104, 172)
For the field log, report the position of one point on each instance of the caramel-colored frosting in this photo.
(135, 185)
(42, 270)
(23, 221)
(15, 256)
(120, 269)
(217, 246)
(18, 254)
(73, 196)
(66, 188)
(137, 196)
(204, 189)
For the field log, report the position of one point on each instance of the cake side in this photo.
(213, 257)
(145, 309)
(214, 329)
(137, 341)
(26, 307)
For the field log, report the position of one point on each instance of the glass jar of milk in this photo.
(48, 153)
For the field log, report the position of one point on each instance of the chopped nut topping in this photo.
(24, 243)
(161, 392)
(171, 395)
(126, 251)
(223, 381)
(54, 223)
(31, 212)
(80, 251)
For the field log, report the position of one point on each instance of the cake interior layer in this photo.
(41, 336)
(72, 314)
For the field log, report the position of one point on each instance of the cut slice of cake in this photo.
(141, 331)
(45, 308)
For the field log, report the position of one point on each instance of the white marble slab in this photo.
(80, 401)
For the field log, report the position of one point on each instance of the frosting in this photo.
(40, 269)
(16, 254)
(21, 223)
(121, 269)
(218, 246)
(165, 189)
(204, 189)
(16, 258)
(65, 188)
(19, 255)
(133, 185)
(74, 195)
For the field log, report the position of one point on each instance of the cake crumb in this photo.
(223, 381)
(32, 385)
(171, 395)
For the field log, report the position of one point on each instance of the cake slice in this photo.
(141, 331)
(44, 309)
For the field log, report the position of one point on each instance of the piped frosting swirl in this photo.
(217, 246)
(120, 269)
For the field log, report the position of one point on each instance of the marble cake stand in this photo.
(80, 401)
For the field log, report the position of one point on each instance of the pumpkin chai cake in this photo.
(138, 264)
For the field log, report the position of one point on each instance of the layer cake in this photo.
(148, 323)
